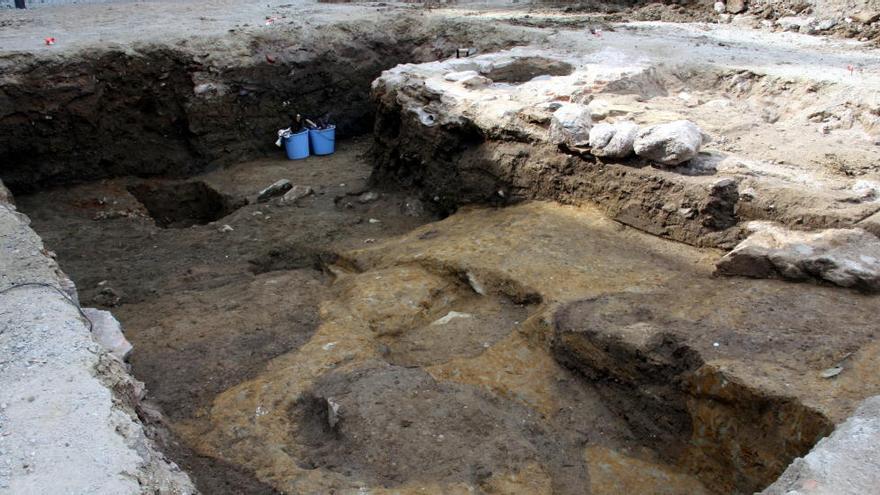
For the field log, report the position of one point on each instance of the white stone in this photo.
(826, 24)
(844, 257)
(296, 193)
(475, 81)
(571, 125)
(107, 331)
(460, 75)
(670, 144)
(792, 23)
(719, 7)
(613, 140)
(468, 78)
(452, 315)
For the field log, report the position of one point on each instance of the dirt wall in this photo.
(175, 109)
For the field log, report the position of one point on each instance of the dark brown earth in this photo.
(574, 353)
(207, 309)
(173, 110)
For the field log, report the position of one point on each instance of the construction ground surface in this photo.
(477, 292)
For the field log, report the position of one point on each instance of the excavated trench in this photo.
(350, 339)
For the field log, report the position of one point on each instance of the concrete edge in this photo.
(845, 463)
(68, 420)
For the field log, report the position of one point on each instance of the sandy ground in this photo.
(244, 336)
(211, 311)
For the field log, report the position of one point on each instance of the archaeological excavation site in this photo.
(440, 247)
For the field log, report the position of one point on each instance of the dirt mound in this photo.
(390, 425)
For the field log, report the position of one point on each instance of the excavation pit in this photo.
(455, 304)
(182, 204)
(417, 338)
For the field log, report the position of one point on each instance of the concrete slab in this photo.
(67, 420)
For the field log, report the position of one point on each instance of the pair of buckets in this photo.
(319, 141)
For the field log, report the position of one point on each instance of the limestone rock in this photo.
(671, 143)
(736, 6)
(719, 7)
(871, 224)
(460, 75)
(613, 140)
(277, 188)
(296, 193)
(571, 125)
(107, 331)
(866, 16)
(792, 23)
(468, 78)
(844, 257)
(826, 24)
(5, 195)
(475, 81)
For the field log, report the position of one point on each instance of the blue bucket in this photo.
(297, 145)
(323, 140)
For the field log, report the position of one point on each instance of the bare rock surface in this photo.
(871, 224)
(844, 257)
(669, 144)
(277, 188)
(735, 6)
(297, 193)
(776, 132)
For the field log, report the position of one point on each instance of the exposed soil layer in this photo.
(412, 440)
(722, 377)
(183, 204)
(210, 316)
(207, 309)
(311, 349)
(772, 135)
(173, 109)
(347, 340)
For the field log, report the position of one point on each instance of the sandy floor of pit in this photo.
(206, 308)
(444, 389)
(429, 337)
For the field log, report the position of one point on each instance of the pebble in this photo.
(277, 188)
(296, 193)
(368, 197)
